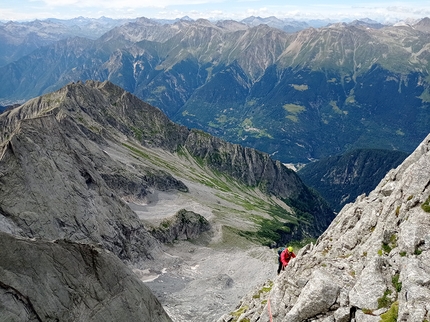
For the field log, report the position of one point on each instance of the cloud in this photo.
(408, 10)
(381, 10)
(125, 3)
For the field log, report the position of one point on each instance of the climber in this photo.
(284, 258)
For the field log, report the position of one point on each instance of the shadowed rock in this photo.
(184, 225)
(52, 188)
(65, 281)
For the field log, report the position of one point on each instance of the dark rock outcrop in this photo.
(65, 281)
(129, 184)
(184, 225)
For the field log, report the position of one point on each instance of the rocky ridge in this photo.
(85, 119)
(371, 264)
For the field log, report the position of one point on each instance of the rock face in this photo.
(371, 263)
(65, 281)
(51, 188)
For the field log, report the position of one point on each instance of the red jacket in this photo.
(286, 256)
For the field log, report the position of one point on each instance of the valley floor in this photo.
(203, 279)
(198, 283)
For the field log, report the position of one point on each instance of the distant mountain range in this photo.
(18, 39)
(297, 96)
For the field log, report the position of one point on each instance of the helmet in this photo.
(290, 249)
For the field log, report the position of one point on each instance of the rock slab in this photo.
(66, 281)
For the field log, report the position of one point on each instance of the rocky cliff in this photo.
(371, 264)
(65, 281)
(52, 187)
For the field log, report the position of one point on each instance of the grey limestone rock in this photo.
(369, 286)
(310, 302)
(373, 259)
(65, 281)
(51, 188)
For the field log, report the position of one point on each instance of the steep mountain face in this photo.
(371, 264)
(92, 164)
(423, 25)
(98, 112)
(299, 97)
(327, 92)
(65, 281)
(53, 186)
(343, 178)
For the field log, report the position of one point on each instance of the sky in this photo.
(380, 10)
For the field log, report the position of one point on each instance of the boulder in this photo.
(182, 226)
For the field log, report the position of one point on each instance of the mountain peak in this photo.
(423, 25)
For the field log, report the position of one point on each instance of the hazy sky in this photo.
(381, 10)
